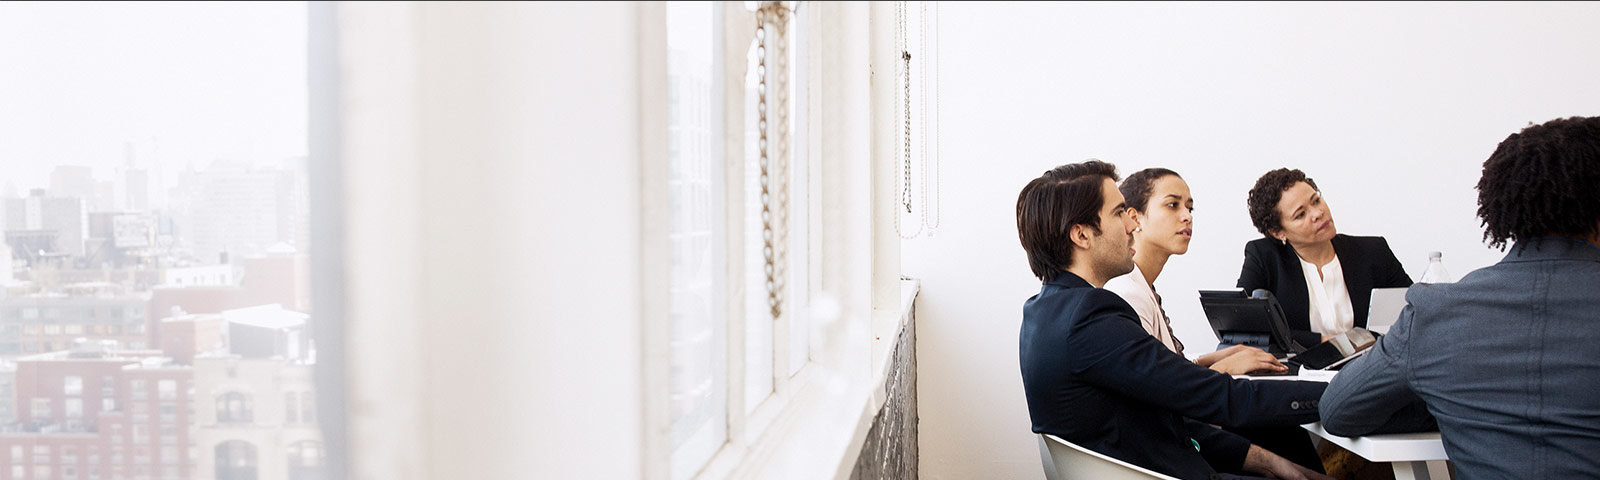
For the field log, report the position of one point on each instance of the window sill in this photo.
(827, 421)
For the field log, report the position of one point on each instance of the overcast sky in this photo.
(186, 83)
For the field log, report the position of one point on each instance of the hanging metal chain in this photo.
(903, 45)
(781, 264)
(905, 59)
(776, 14)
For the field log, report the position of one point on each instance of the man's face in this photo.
(1112, 250)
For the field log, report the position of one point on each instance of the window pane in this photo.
(157, 213)
(699, 354)
(799, 199)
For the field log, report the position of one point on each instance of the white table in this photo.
(1413, 455)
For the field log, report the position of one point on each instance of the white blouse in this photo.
(1133, 289)
(1330, 313)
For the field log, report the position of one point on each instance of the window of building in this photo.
(234, 407)
(305, 459)
(139, 388)
(308, 407)
(291, 407)
(72, 407)
(40, 409)
(235, 460)
(167, 389)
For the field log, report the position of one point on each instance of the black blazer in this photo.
(1095, 378)
(1366, 262)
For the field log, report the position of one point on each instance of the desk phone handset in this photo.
(1275, 321)
(1249, 318)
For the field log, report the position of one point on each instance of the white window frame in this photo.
(747, 434)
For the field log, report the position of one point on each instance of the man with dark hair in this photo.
(1506, 360)
(1095, 378)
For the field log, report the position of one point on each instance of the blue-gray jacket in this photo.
(1507, 362)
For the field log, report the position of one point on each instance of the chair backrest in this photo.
(1064, 460)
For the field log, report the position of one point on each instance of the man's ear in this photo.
(1080, 236)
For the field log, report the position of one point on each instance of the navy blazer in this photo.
(1505, 360)
(1366, 262)
(1095, 378)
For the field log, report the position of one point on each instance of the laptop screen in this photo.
(1385, 309)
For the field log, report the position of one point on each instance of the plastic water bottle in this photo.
(1435, 273)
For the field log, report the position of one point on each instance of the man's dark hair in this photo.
(1137, 188)
(1544, 180)
(1264, 197)
(1052, 204)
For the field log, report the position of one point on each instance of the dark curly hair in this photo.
(1264, 197)
(1544, 180)
(1048, 208)
(1136, 188)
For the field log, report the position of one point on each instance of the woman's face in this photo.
(1304, 217)
(1166, 220)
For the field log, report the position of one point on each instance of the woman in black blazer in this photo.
(1301, 240)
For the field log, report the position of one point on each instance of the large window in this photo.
(723, 216)
(155, 206)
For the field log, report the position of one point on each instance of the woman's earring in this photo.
(1285, 242)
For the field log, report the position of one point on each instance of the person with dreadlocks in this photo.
(1504, 362)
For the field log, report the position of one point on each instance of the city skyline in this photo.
(155, 306)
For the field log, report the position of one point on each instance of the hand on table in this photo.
(1241, 360)
(1211, 358)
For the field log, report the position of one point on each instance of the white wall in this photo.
(1391, 108)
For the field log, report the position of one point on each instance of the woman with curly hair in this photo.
(1323, 279)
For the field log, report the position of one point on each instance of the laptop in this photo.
(1385, 308)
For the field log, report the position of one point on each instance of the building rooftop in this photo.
(271, 316)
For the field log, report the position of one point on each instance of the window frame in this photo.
(748, 434)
